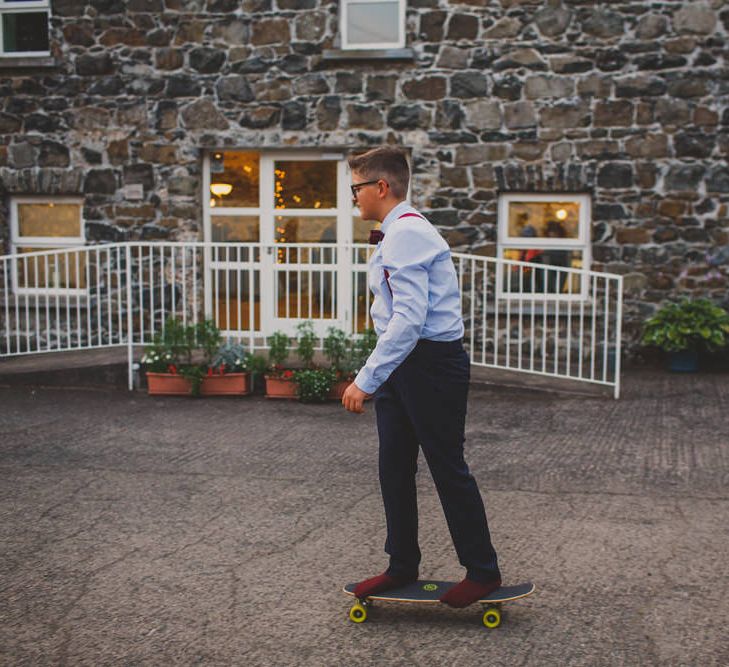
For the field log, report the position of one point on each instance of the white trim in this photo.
(35, 6)
(344, 32)
(582, 243)
(40, 243)
(267, 214)
(45, 241)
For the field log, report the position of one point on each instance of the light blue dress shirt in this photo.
(425, 301)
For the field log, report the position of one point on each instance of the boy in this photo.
(419, 374)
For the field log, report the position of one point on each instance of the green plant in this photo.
(206, 336)
(278, 349)
(231, 356)
(314, 384)
(337, 349)
(195, 375)
(170, 347)
(363, 346)
(158, 359)
(172, 350)
(257, 366)
(306, 342)
(688, 325)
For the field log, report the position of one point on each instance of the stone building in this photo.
(607, 120)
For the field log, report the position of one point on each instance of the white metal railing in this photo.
(553, 321)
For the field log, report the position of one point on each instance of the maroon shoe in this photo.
(468, 592)
(380, 583)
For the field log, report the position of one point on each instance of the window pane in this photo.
(373, 22)
(51, 271)
(26, 31)
(305, 184)
(361, 229)
(542, 280)
(306, 295)
(544, 219)
(305, 230)
(235, 297)
(234, 179)
(235, 228)
(57, 220)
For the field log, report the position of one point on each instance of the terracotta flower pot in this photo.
(228, 384)
(279, 387)
(338, 389)
(167, 384)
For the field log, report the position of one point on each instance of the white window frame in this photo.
(22, 8)
(581, 243)
(41, 243)
(266, 213)
(399, 44)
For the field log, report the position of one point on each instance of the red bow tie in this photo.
(376, 236)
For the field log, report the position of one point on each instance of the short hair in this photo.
(386, 162)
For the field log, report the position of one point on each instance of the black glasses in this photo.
(356, 186)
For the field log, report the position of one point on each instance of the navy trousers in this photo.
(423, 404)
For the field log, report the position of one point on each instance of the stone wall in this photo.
(628, 101)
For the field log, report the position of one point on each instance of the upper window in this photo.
(38, 224)
(24, 27)
(373, 24)
(552, 230)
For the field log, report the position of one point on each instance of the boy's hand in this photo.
(354, 398)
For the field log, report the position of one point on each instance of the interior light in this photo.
(221, 189)
(561, 214)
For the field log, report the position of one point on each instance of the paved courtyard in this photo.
(141, 531)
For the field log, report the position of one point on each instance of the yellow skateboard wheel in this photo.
(492, 618)
(358, 614)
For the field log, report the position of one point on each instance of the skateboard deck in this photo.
(428, 592)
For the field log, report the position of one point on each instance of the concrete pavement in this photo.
(156, 531)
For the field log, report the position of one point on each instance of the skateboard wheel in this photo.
(358, 614)
(492, 618)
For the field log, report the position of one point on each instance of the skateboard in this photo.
(428, 592)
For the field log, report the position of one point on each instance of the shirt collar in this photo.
(394, 214)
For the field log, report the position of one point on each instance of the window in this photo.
(24, 29)
(38, 224)
(372, 24)
(297, 206)
(548, 230)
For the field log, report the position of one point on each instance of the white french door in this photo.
(298, 207)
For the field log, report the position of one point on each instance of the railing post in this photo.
(130, 342)
(618, 337)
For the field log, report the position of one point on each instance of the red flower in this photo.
(288, 374)
(210, 371)
(221, 370)
(172, 369)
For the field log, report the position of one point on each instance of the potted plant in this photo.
(686, 328)
(257, 366)
(279, 380)
(162, 360)
(313, 384)
(227, 375)
(338, 351)
(171, 370)
(203, 337)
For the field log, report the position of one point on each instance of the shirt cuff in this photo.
(365, 383)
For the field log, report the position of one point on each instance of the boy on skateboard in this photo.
(418, 374)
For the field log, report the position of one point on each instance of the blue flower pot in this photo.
(685, 361)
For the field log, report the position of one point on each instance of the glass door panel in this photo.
(305, 220)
